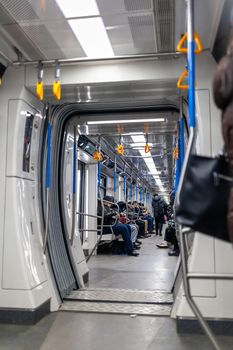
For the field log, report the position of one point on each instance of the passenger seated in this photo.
(133, 227)
(139, 221)
(110, 216)
(150, 220)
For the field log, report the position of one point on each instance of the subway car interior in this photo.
(115, 173)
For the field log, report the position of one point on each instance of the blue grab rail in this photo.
(125, 183)
(191, 83)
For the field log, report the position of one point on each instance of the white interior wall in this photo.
(208, 254)
(36, 293)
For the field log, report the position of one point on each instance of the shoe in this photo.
(137, 247)
(138, 242)
(132, 253)
(174, 253)
(160, 234)
(146, 236)
(162, 245)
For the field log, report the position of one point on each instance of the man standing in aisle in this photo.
(160, 209)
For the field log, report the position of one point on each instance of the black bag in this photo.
(204, 196)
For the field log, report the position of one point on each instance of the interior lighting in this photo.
(139, 144)
(78, 8)
(149, 161)
(126, 121)
(92, 35)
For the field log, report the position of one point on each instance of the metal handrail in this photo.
(90, 215)
(187, 276)
(101, 227)
(217, 276)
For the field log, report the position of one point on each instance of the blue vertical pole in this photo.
(48, 162)
(131, 191)
(125, 188)
(181, 150)
(136, 192)
(141, 195)
(115, 179)
(191, 68)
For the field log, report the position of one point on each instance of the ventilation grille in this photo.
(142, 30)
(165, 24)
(138, 5)
(15, 31)
(5, 17)
(39, 35)
(19, 10)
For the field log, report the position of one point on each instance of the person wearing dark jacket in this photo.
(110, 219)
(159, 207)
(223, 96)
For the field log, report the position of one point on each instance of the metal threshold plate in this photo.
(121, 296)
(117, 308)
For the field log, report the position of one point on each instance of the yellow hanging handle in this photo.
(180, 84)
(40, 90)
(97, 156)
(175, 152)
(57, 89)
(147, 148)
(120, 149)
(197, 39)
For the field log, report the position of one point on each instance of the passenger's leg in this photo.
(124, 230)
(141, 231)
(157, 225)
(150, 220)
(134, 232)
(160, 226)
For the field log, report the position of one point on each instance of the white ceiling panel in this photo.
(111, 7)
(119, 34)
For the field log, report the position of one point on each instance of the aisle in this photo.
(153, 269)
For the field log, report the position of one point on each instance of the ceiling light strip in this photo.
(149, 161)
(78, 8)
(124, 121)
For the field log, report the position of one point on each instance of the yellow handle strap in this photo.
(181, 48)
(120, 149)
(57, 89)
(40, 90)
(97, 156)
(147, 148)
(180, 84)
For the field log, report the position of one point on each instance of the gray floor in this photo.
(77, 331)
(152, 270)
(86, 331)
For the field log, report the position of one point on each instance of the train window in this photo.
(103, 185)
(27, 141)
